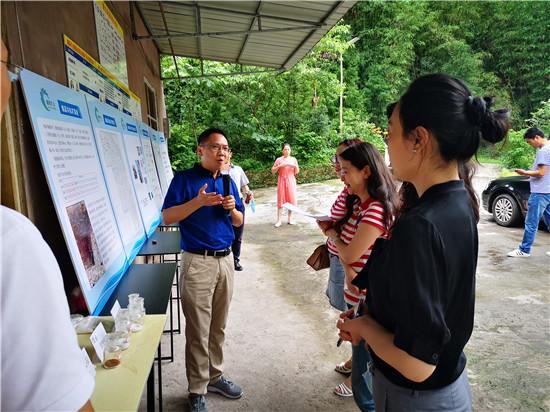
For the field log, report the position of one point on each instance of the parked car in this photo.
(506, 198)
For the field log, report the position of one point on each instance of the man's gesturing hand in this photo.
(208, 199)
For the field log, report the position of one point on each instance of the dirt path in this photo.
(281, 336)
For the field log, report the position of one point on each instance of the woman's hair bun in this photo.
(492, 124)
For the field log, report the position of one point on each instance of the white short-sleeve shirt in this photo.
(42, 367)
(239, 177)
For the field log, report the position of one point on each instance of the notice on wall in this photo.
(107, 127)
(163, 145)
(86, 75)
(63, 133)
(110, 42)
(150, 167)
(150, 213)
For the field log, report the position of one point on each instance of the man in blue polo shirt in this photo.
(206, 219)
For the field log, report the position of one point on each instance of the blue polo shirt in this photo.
(208, 227)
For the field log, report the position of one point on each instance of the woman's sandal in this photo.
(342, 368)
(343, 390)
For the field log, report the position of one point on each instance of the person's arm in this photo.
(364, 238)
(180, 212)
(276, 166)
(296, 167)
(382, 343)
(541, 171)
(350, 274)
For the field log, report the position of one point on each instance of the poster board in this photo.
(65, 142)
(150, 213)
(163, 144)
(149, 162)
(85, 74)
(158, 160)
(107, 128)
(110, 42)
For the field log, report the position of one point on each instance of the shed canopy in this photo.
(271, 34)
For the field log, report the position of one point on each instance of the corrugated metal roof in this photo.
(272, 34)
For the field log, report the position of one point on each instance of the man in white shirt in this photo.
(239, 177)
(42, 367)
(538, 204)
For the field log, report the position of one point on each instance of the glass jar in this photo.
(123, 339)
(122, 321)
(137, 315)
(112, 351)
(132, 298)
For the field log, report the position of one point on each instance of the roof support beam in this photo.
(169, 40)
(241, 73)
(332, 10)
(228, 33)
(250, 28)
(238, 12)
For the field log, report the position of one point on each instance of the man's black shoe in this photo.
(238, 266)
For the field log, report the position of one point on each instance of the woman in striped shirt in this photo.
(370, 207)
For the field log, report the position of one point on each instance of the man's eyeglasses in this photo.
(217, 147)
(334, 159)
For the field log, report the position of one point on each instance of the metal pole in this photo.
(341, 94)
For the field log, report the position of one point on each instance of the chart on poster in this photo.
(107, 127)
(150, 214)
(67, 149)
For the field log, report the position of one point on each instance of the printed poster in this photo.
(107, 127)
(86, 75)
(63, 134)
(150, 168)
(163, 145)
(110, 42)
(150, 213)
(158, 160)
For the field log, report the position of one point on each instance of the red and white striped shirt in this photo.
(337, 212)
(371, 212)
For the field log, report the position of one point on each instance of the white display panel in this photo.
(107, 127)
(165, 158)
(63, 133)
(150, 168)
(150, 213)
(158, 160)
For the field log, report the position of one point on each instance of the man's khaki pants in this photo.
(206, 290)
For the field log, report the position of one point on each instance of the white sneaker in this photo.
(278, 224)
(292, 222)
(518, 253)
(548, 253)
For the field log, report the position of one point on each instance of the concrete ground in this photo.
(281, 337)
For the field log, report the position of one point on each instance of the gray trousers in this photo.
(389, 397)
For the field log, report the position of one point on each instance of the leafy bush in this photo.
(515, 153)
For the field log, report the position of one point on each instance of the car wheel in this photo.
(506, 210)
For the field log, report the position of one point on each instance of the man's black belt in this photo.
(208, 252)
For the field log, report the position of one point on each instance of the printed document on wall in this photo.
(69, 156)
(107, 126)
(150, 213)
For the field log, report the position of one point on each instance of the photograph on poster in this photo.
(86, 241)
